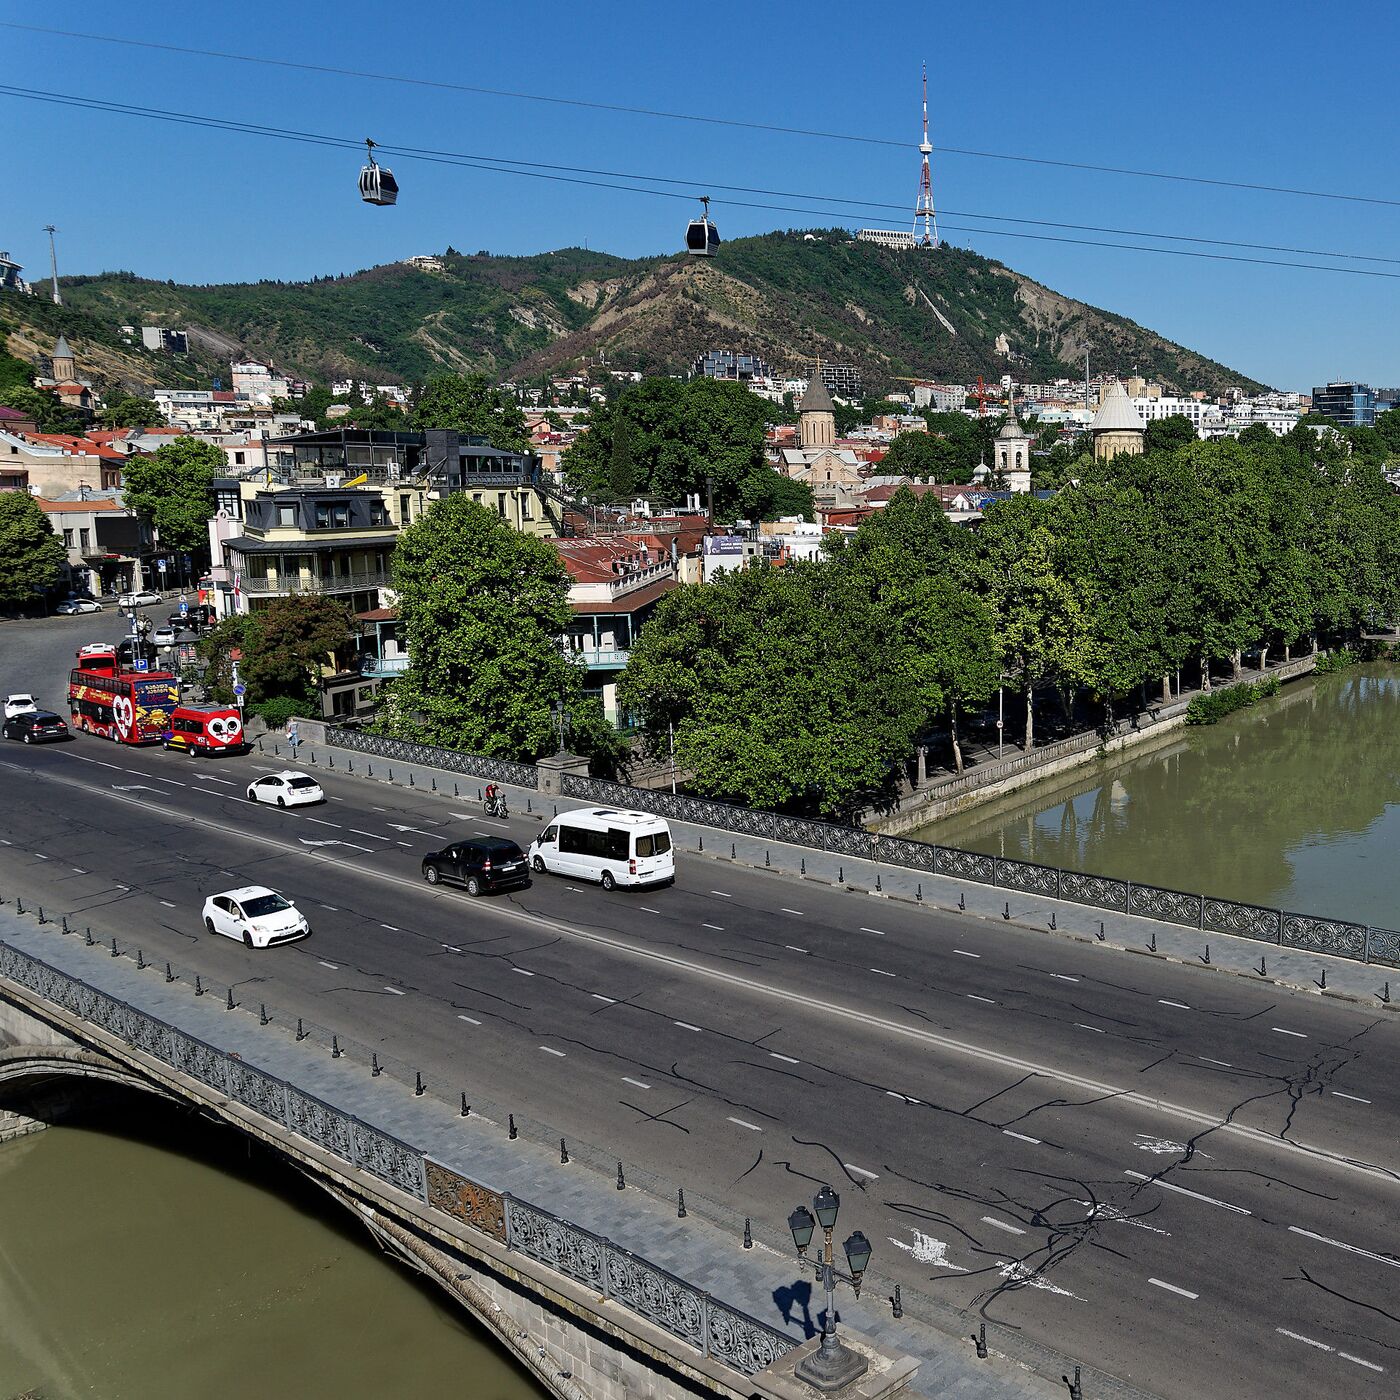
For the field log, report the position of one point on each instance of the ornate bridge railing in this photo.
(688, 1313)
(1340, 938)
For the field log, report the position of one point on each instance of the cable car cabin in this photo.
(701, 236)
(377, 184)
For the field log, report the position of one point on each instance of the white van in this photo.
(608, 845)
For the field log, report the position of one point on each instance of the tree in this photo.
(920, 455)
(482, 609)
(288, 644)
(472, 406)
(622, 466)
(1256, 435)
(217, 648)
(1167, 434)
(49, 412)
(129, 411)
(382, 414)
(14, 373)
(174, 490)
(31, 555)
(790, 498)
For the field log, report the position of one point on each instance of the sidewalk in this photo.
(693, 1249)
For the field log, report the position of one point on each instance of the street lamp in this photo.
(834, 1364)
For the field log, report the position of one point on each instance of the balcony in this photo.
(384, 667)
(602, 660)
(337, 583)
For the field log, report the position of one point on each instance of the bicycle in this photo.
(496, 806)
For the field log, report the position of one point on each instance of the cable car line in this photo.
(705, 119)
(499, 165)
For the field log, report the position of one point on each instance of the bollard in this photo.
(962, 900)
(140, 961)
(375, 1069)
(230, 1003)
(1052, 920)
(169, 974)
(480, 797)
(410, 777)
(1101, 934)
(42, 919)
(115, 953)
(1205, 957)
(563, 1153)
(371, 769)
(767, 860)
(680, 1203)
(313, 755)
(700, 847)
(840, 874)
(19, 905)
(419, 1088)
(621, 1180)
(1006, 910)
(529, 806)
(1075, 1391)
(466, 1107)
(454, 789)
(301, 1034)
(878, 885)
(350, 765)
(65, 923)
(1323, 981)
(88, 938)
(335, 1047)
(804, 865)
(513, 1134)
(898, 1302)
(748, 1233)
(919, 893)
(1263, 971)
(263, 1018)
(1385, 994)
(434, 784)
(732, 855)
(198, 986)
(1152, 942)
(330, 760)
(981, 1340)
(391, 775)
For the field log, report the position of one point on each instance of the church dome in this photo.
(1116, 412)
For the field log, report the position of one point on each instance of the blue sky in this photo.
(1283, 93)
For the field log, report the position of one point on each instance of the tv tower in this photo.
(924, 208)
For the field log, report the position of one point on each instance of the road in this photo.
(1185, 1179)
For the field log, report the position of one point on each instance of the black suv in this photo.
(483, 863)
(37, 727)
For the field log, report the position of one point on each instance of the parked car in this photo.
(287, 789)
(605, 844)
(36, 727)
(19, 705)
(482, 863)
(163, 637)
(71, 607)
(143, 599)
(257, 915)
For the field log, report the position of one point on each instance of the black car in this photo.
(483, 863)
(37, 727)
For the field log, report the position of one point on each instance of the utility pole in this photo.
(53, 264)
(1087, 348)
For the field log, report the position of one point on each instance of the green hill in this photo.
(789, 297)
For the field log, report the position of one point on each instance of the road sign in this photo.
(240, 690)
(142, 664)
(184, 608)
(160, 564)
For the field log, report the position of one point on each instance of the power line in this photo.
(701, 118)
(502, 166)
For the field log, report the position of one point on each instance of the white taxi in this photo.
(259, 916)
(286, 789)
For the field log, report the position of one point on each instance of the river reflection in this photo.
(1291, 803)
(131, 1269)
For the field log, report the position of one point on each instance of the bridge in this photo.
(1159, 1170)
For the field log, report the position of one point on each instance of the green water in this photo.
(130, 1270)
(1293, 803)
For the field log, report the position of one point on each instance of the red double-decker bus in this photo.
(129, 707)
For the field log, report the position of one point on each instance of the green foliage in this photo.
(482, 609)
(275, 713)
(31, 555)
(1338, 660)
(49, 412)
(1167, 434)
(128, 411)
(920, 455)
(219, 647)
(174, 490)
(474, 407)
(1212, 706)
(14, 373)
(289, 643)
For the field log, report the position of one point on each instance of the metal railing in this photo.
(688, 1313)
(331, 583)
(1342, 938)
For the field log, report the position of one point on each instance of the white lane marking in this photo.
(395, 991)
(174, 782)
(39, 855)
(685, 1025)
(752, 1127)
(407, 845)
(786, 910)
(524, 972)
(5, 843)
(891, 1093)
(722, 894)
(334, 967)
(1224, 1064)
(1182, 1191)
(1002, 1225)
(78, 870)
(1172, 1288)
(1337, 1094)
(210, 778)
(861, 1171)
(639, 1084)
(550, 1050)
(390, 927)
(1028, 1277)
(786, 1059)
(1079, 1025)
(1301, 1035)
(333, 908)
(793, 948)
(372, 809)
(1006, 1132)
(963, 954)
(647, 909)
(1306, 1341)
(321, 821)
(167, 904)
(883, 973)
(718, 928)
(470, 1020)
(1350, 1248)
(927, 1250)
(1369, 1365)
(1159, 1146)
(598, 996)
(1180, 1005)
(451, 948)
(574, 888)
(1101, 1210)
(878, 931)
(1063, 977)
(370, 834)
(972, 996)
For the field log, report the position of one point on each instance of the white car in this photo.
(144, 599)
(163, 637)
(71, 607)
(19, 705)
(257, 915)
(287, 789)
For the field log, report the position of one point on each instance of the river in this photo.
(132, 1268)
(1293, 803)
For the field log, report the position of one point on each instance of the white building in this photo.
(1208, 419)
(258, 383)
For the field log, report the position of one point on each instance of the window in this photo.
(68, 539)
(238, 459)
(332, 515)
(501, 504)
(655, 844)
(84, 538)
(405, 509)
(287, 514)
(378, 513)
(611, 844)
(525, 512)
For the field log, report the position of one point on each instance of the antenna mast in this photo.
(923, 209)
(53, 264)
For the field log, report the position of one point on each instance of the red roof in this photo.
(85, 445)
(12, 414)
(76, 507)
(599, 561)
